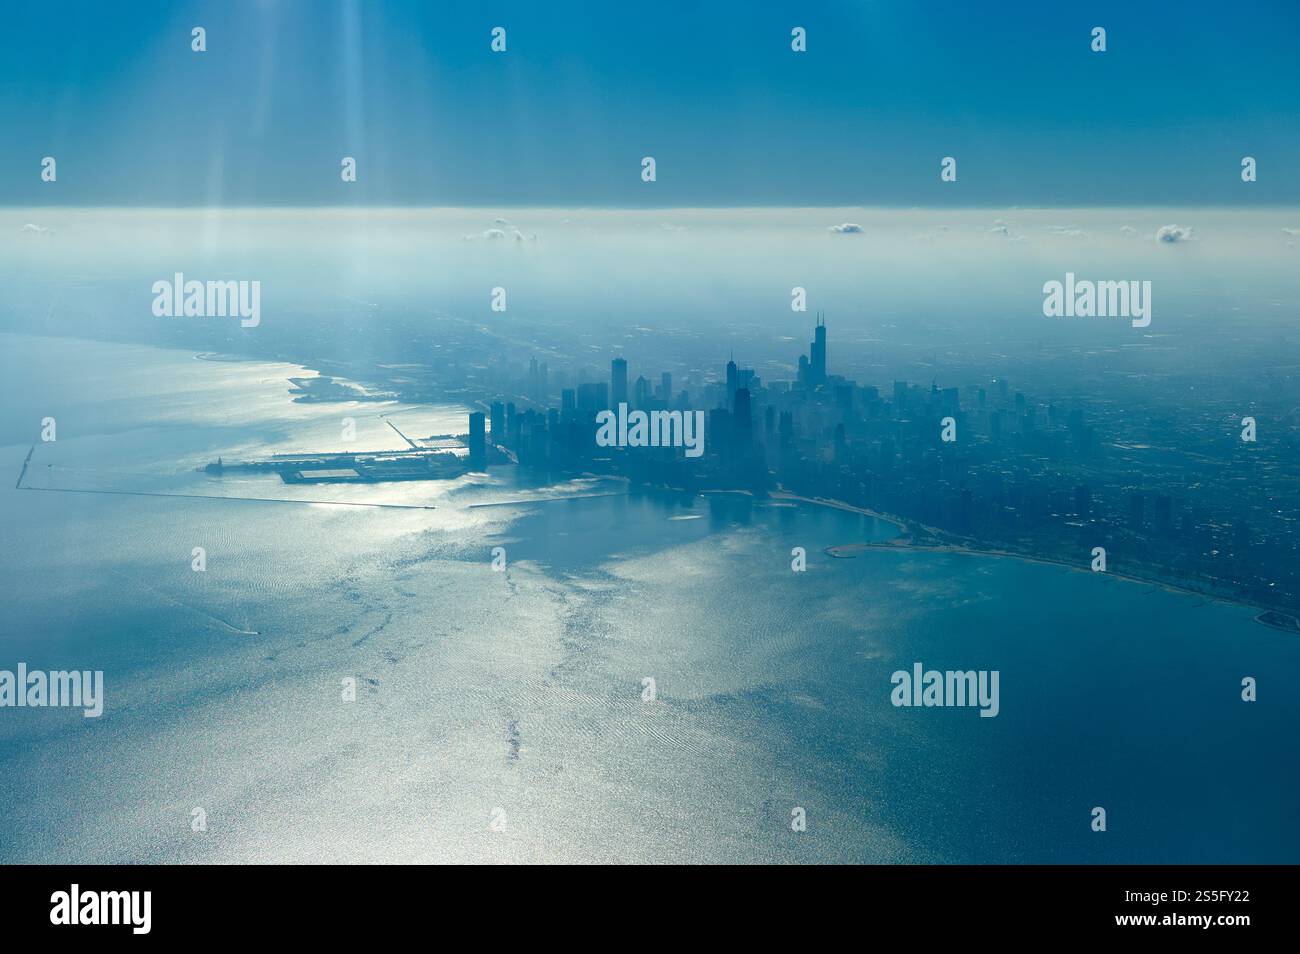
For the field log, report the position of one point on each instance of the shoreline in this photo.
(900, 542)
(1272, 618)
(902, 524)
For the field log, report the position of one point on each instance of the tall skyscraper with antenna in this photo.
(817, 362)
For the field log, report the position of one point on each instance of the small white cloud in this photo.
(847, 228)
(1006, 230)
(501, 235)
(1128, 230)
(1174, 233)
(31, 229)
(1069, 231)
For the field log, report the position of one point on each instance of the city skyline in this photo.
(1046, 480)
(848, 432)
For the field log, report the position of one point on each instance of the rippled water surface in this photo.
(522, 690)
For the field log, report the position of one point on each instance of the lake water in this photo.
(521, 691)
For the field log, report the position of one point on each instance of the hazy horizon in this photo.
(855, 432)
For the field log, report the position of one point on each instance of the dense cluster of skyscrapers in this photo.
(1016, 474)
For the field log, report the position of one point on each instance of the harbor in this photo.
(370, 467)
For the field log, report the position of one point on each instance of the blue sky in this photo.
(710, 89)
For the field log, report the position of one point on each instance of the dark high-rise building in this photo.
(498, 421)
(477, 440)
(719, 440)
(537, 448)
(618, 381)
(534, 379)
(590, 400)
(817, 360)
(666, 388)
(744, 420)
(733, 383)
(568, 403)
(641, 393)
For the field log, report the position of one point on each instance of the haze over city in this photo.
(708, 434)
